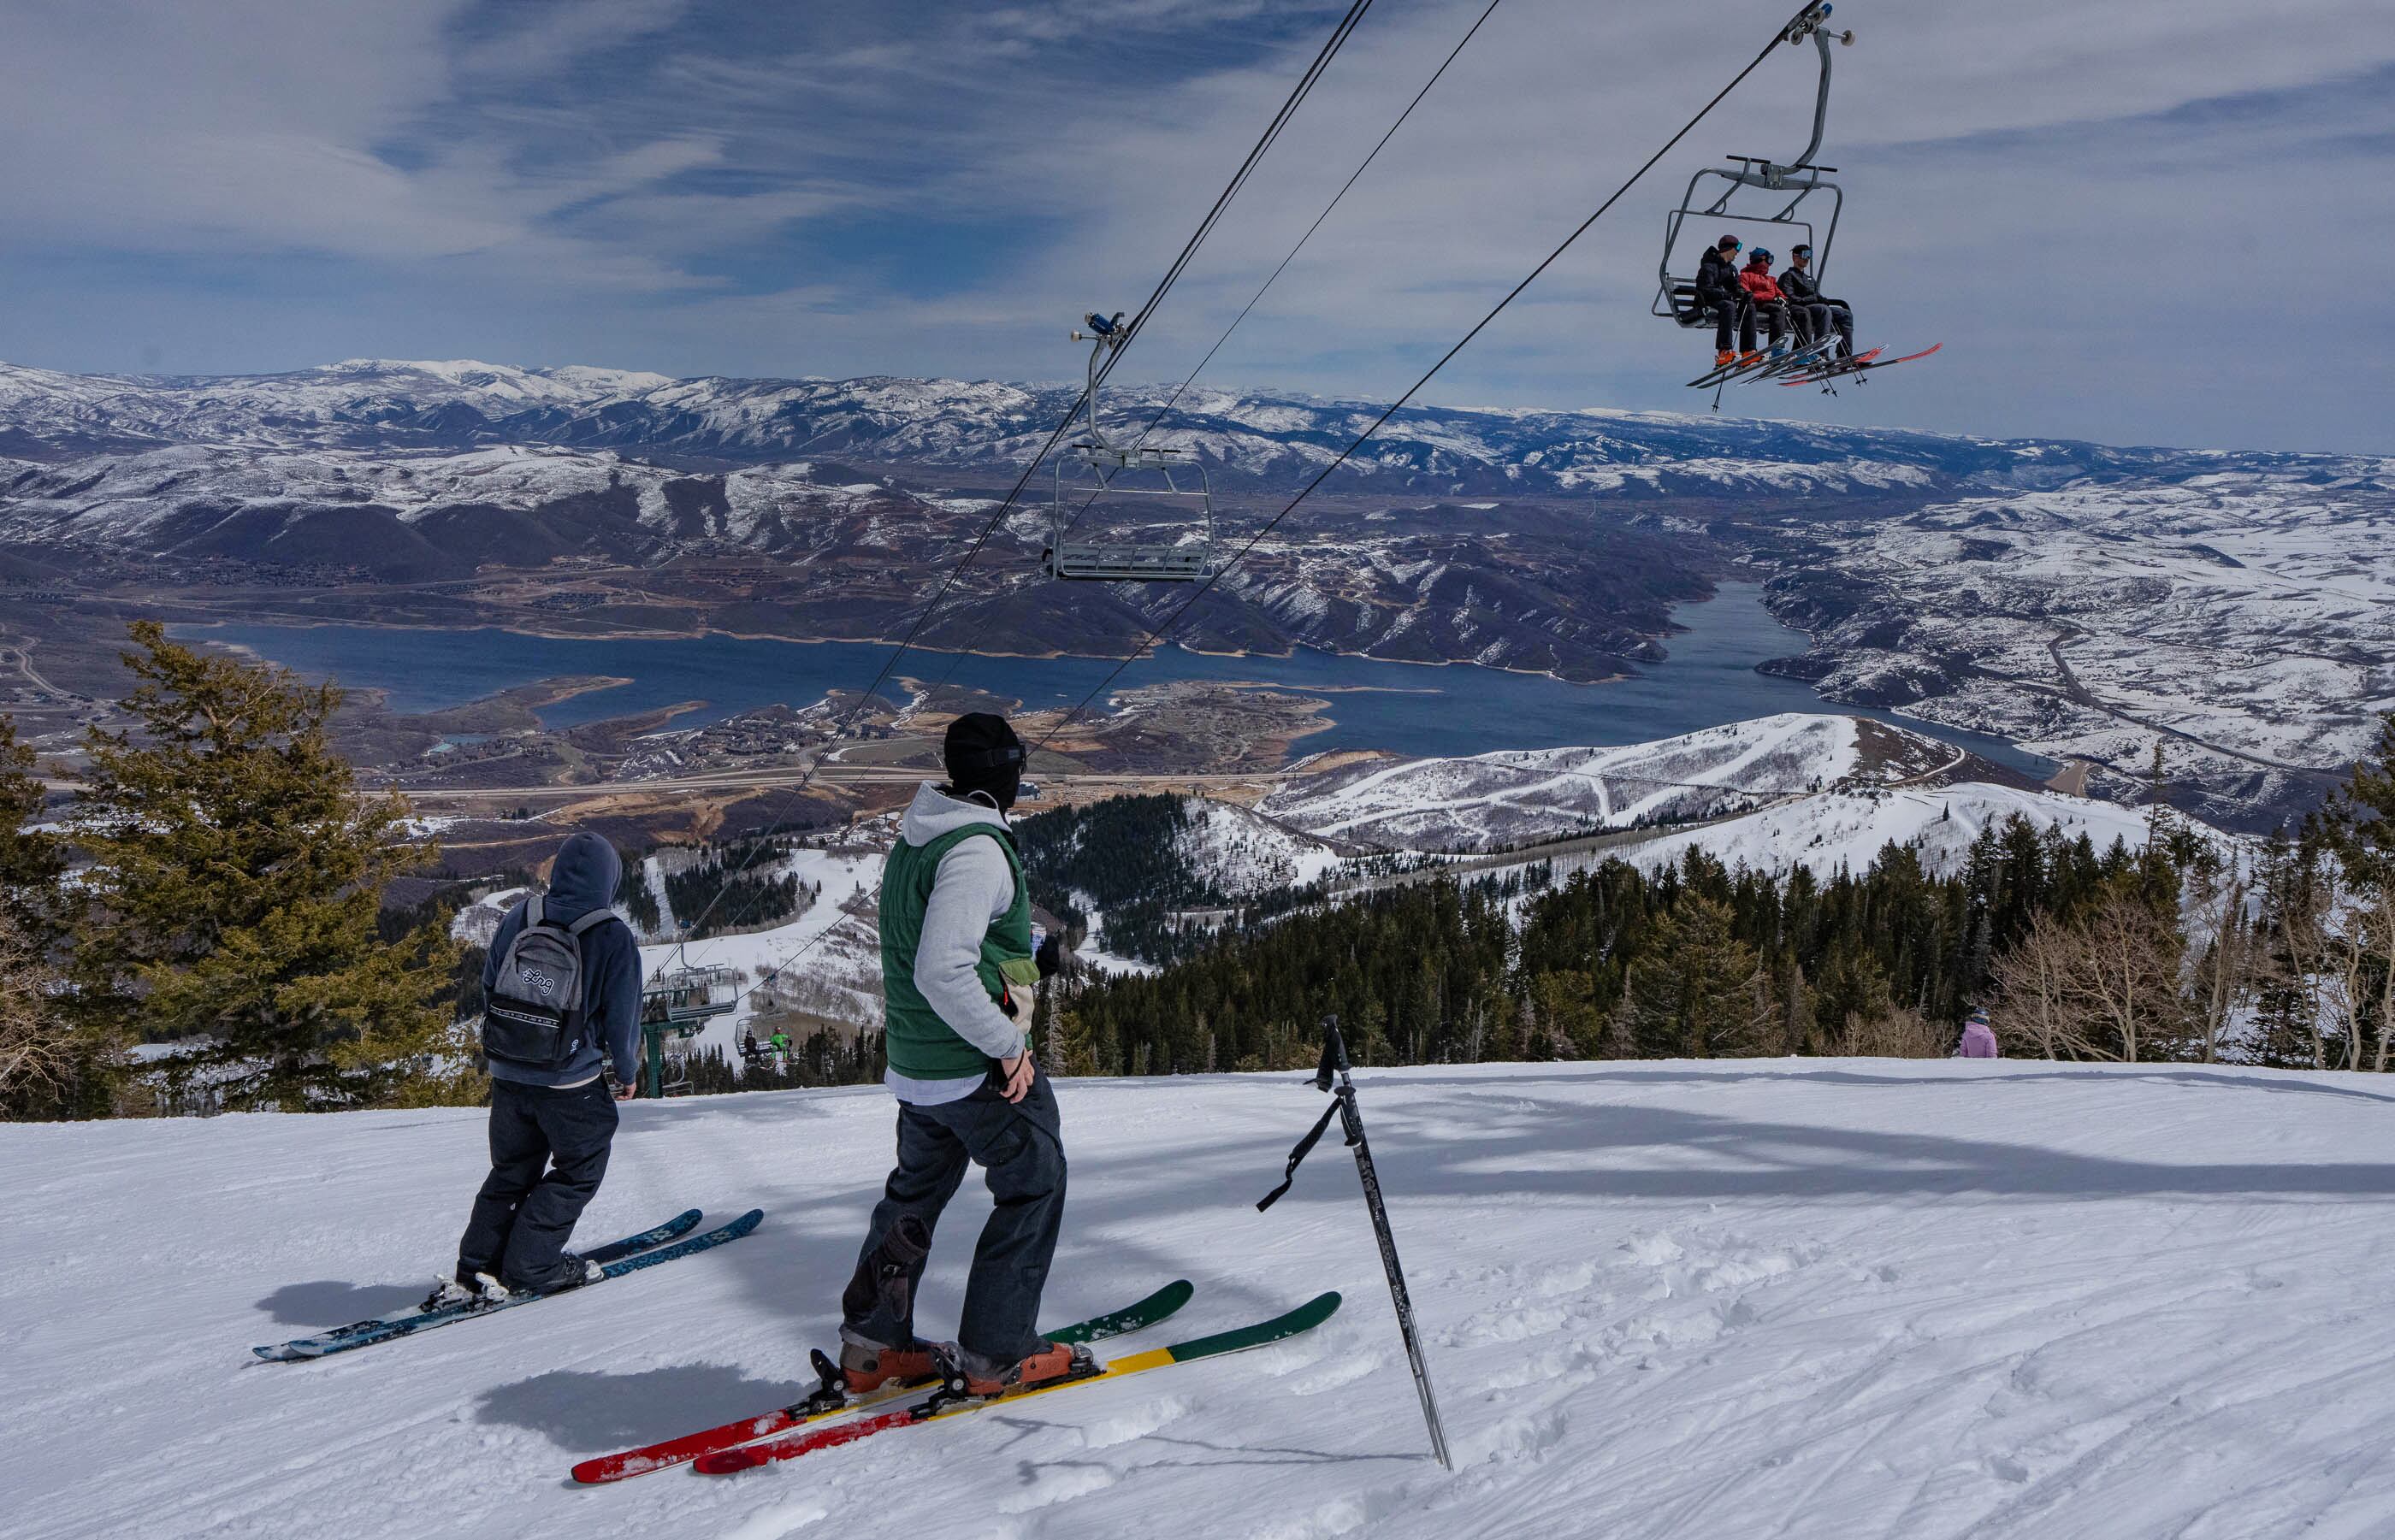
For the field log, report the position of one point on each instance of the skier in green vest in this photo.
(957, 971)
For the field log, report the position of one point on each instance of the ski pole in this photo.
(1333, 1077)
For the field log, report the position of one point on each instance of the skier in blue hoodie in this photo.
(552, 1117)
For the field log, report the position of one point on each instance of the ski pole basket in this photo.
(1332, 1076)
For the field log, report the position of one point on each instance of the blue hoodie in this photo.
(584, 878)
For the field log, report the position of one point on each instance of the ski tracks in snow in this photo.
(1779, 1300)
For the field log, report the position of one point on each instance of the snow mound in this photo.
(1806, 1299)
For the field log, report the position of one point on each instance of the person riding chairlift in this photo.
(1721, 296)
(1815, 312)
(1769, 302)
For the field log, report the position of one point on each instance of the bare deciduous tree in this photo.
(1897, 1032)
(38, 1052)
(2105, 987)
(2224, 975)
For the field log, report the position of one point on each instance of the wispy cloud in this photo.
(2121, 218)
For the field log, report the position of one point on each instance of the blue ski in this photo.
(616, 1259)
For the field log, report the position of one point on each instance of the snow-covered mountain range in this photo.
(383, 405)
(2081, 599)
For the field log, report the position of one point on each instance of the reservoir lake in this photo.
(1708, 679)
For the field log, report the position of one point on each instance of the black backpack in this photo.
(534, 1014)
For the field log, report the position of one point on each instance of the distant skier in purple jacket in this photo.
(1978, 1038)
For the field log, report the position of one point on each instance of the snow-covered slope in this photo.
(1515, 796)
(1243, 854)
(2246, 617)
(1851, 828)
(1814, 1301)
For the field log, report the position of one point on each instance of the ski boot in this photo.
(1725, 358)
(968, 1374)
(1748, 360)
(568, 1271)
(866, 1366)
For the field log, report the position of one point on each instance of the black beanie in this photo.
(983, 754)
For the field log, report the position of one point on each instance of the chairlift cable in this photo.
(1305, 87)
(1254, 299)
(1157, 633)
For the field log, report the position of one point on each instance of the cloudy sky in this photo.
(2144, 220)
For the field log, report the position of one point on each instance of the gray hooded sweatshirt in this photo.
(584, 878)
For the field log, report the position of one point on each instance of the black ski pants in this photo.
(1733, 312)
(523, 1213)
(1020, 1147)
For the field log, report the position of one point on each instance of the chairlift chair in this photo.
(681, 1001)
(1135, 469)
(1675, 297)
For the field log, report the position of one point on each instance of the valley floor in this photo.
(1835, 1298)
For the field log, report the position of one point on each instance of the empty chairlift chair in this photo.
(1099, 473)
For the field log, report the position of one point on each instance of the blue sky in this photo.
(2145, 222)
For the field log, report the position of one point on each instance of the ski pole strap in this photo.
(1297, 1156)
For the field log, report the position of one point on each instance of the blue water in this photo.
(1408, 708)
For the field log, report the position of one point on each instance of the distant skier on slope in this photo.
(563, 987)
(1978, 1038)
(1816, 311)
(1720, 294)
(956, 948)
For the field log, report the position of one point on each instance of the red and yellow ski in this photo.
(724, 1462)
(1156, 1307)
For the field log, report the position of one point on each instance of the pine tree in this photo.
(1697, 991)
(31, 860)
(236, 871)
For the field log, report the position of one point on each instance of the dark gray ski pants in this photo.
(1021, 1148)
(1822, 316)
(522, 1214)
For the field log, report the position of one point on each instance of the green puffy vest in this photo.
(921, 1045)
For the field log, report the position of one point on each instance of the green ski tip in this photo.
(1313, 1313)
(1130, 1318)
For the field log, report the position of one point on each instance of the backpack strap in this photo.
(597, 916)
(531, 909)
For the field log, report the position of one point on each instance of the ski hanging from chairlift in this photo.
(1099, 476)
